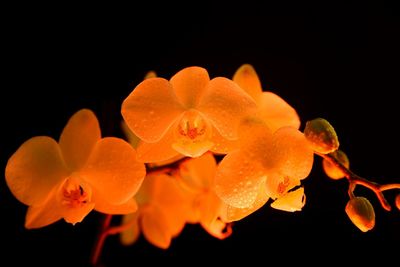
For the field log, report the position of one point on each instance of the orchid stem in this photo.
(355, 180)
(98, 247)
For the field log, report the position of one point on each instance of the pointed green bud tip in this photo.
(321, 135)
(361, 213)
(331, 170)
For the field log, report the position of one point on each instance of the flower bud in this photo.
(322, 136)
(361, 213)
(331, 170)
(398, 201)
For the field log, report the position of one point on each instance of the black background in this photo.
(339, 62)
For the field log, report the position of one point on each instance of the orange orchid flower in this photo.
(162, 212)
(267, 165)
(272, 109)
(189, 114)
(80, 173)
(197, 176)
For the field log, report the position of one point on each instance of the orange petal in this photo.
(130, 235)
(176, 221)
(292, 154)
(45, 214)
(151, 191)
(238, 179)
(34, 169)
(113, 171)
(102, 206)
(192, 149)
(198, 173)
(276, 112)
(292, 201)
(218, 228)
(145, 194)
(155, 227)
(222, 145)
(170, 198)
(189, 84)
(191, 200)
(246, 77)
(236, 214)
(41, 216)
(79, 137)
(210, 207)
(76, 215)
(151, 109)
(165, 162)
(255, 138)
(225, 104)
(130, 136)
(158, 151)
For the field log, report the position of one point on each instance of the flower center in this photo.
(192, 134)
(192, 126)
(283, 185)
(74, 193)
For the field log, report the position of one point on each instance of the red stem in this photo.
(100, 241)
(354, 180)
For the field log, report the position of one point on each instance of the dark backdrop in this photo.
(340, 62)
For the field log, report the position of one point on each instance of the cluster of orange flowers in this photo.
(199, 150)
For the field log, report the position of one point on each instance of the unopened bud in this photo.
(398, 201)
(361, 213)
(322, 136)
(331, 170)
(150, 74)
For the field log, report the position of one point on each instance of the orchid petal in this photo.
(35, 169)
(292, 201)
(78, 138)
(276, 112)
(246, 77)
(130, 235)
(151, 109)
(189, 85)
(238, 179)
(225, 104)
(113, 171)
